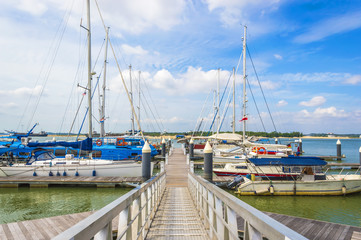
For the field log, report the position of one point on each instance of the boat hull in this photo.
(333, 185)
(106, 170)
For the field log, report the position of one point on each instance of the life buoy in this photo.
(99, 142)
(121, 142)
(259, 150)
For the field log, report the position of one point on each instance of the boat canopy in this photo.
(289, 161)
(85, 145)
(227, 136)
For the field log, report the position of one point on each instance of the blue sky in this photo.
(306, 54)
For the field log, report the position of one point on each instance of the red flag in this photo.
(84, 93)
(244, 119)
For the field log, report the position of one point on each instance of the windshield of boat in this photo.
(45, 156)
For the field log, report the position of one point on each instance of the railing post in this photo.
(250, 233)
(124, 219)
(191, 167)
(161, 167)
(220, 226)
(105, 233)
(188, 157)
(231, 218)
(146, 161)
(210, 203)
(134, 213)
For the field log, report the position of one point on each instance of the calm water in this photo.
(19, 204)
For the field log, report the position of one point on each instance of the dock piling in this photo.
(191, 149)
(146, 161)
(208, 162)
(163, 147)
(338, 150)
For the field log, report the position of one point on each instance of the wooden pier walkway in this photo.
(176, 217)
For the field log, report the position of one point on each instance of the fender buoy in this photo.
(64, 173)
(99, 142)
(94, 173)
(34, 174)
(76, 174)
(343, 189)
(271, 190)
(51, 174)
(58, 173)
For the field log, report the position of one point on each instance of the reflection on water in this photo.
(337, 209)
(19, 204)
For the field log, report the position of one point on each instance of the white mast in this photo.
(131, 96)
(102, 110)
(89, 73)
(234, 102)
(139, 99)
(218, 102)
(244, 84)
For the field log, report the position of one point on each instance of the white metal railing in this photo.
(134, 209)
(219, 209)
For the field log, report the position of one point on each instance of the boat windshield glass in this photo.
(45, 156)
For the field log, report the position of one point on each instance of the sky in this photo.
(304, 54)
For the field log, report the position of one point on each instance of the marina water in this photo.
(28, 203)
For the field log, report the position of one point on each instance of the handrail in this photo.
(219, 209)
(135, 210)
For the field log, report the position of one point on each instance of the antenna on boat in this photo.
(89, 76)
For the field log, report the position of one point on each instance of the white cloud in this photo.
(331, 26)
(21, 92)
(138, 16)
(252, 13)
(192, 81)
(138, 50)
(324, 113)
(34, 7)
(278, 57)
(356, 79)
(315, 101)
(9, 105)
(282, 103)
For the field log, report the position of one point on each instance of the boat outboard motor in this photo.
(235, 182)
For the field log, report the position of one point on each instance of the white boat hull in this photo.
(107, 170)
(333, 185)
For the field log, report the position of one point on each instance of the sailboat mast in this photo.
(244, 84)
(218, 101)
(139, 99)
(89, 73)
(234, 102)
(131, 96)
(102, 117)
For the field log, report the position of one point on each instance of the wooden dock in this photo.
(176, 217)
(38, 181)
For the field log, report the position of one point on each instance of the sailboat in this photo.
(43, 162)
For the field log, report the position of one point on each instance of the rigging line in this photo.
(224, 115)
(207, 119)
(259, 83)
(155, 119)
(47, 75)
(200, 115)
(43, 65)
(150, 96)
(226, 109)
(149, 124)
(87, 110)
(121, 75)
(249, 87)
(76, 115)
(215, 115)
(80, 63)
